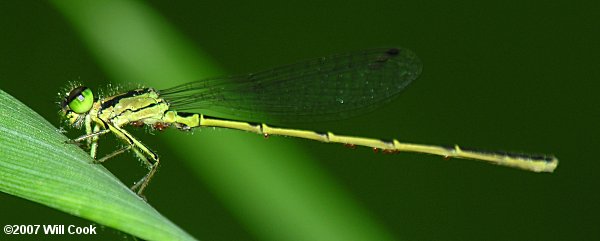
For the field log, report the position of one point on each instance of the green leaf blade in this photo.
(37, 164)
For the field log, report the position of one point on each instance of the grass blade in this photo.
(37, 165)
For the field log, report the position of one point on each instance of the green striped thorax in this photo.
(137, 107)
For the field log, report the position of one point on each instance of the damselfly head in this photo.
(76, 103)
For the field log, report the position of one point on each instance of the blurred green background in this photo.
(508, 75)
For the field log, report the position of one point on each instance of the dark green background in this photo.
(510, 75)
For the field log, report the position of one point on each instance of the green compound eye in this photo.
(80, 99)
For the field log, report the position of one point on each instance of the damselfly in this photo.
(327, 88)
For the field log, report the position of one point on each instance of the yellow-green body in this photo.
(146, 106)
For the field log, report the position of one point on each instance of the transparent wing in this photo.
(327, 88)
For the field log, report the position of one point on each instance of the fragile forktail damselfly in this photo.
(327, 88)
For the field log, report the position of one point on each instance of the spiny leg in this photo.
(152, 165)
(94, 143)
(143, 152)
(92, 140)
(89, 136)
(115, 153)
(88, 128)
